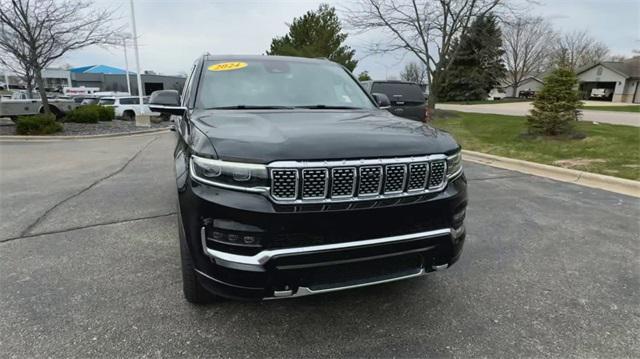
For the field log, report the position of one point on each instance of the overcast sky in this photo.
(173, 33)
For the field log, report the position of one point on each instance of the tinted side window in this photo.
(399, 91)
(107, 101)
(128, 101)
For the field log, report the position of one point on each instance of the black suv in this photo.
(291, 181)
(406, 98)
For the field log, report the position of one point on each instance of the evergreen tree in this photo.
(364, 76)
(316, 34)
(477, 66)
(556, 106)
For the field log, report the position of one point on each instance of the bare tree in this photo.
(617, 58)
(36, 33)
(20, 69)
(425, 28)
(577, 49)
(527, 44)
(414, 72)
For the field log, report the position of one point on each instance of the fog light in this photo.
(234, 239)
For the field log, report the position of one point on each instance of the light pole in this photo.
(135, 48)
(6, 71)
(126, 62)
(6, 78)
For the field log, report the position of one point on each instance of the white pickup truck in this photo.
(20, 105)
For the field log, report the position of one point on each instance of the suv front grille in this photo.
(284, 183)
(314, 183)
(395, 176)
(338, 181)
(343, 182)
(438, 171)
(370, 180)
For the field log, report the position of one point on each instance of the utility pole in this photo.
(126, 64)
(6, 71)
(137, 54)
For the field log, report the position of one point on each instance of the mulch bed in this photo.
(100, 128)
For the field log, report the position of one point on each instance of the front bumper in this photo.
(331, 250)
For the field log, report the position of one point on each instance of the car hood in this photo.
(271, 135)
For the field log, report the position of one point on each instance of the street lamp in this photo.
(135, 48)
(124, 36)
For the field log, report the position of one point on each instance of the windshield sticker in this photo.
(227, 66)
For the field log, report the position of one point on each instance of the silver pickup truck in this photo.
(20, 105)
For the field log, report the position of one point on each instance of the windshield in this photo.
(278, 84)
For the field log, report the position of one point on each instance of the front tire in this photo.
(193, 291)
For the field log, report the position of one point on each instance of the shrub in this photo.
(37, 125)
(107, 113)
(556, 106)
(90, 114)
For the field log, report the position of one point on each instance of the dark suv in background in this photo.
(406, 98)
(291, 181)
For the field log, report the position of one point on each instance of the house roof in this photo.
(538, 78)
(99, 69)
(629, 68)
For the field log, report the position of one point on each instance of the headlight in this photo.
(234, 175)
(454, 165)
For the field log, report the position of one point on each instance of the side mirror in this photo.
(382, 100)
(166, 101)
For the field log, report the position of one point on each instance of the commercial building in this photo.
(106, 78)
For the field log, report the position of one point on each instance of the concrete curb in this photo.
(588, 179)
(83, 137)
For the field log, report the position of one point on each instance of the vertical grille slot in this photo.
(395, 176)
(417, 176)
(370, 180)
(314, 183)
(284, 184)
(343, 182)
(437, 175)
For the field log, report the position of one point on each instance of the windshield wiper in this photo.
(329, 107)
(249, 107)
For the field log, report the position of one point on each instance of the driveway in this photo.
(89, 267)
(522, 109)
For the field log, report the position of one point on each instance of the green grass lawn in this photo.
(487, 102)
(630, 108)
(608, 149)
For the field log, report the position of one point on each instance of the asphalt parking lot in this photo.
(89, 267)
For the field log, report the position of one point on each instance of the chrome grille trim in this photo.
(275, 188)
(419, 181)
(336, 173)
(357, 165)
(391, 181)
(438, 173)
(362, 184)
(306, 186)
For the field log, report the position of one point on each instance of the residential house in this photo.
(622, 78)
